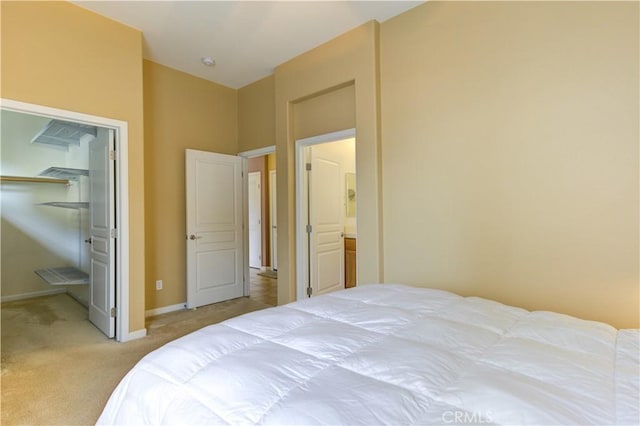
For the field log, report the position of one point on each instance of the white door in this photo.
(101, 222)
(214, 228)
(327, 222)
(255, 221)
(273, 214)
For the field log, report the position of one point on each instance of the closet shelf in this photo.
(33, 179)
(67, 204)
(65, 173)
(63, 276)
(64, 133)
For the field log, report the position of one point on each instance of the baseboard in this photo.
(138, 334)
(164, 310)
(33, 294)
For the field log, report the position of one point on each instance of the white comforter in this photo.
(388, 354)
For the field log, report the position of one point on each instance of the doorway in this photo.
(95, 197)
(261, 217)
(325, 212)
(218, 228)
(261, 212)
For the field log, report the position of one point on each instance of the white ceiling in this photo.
(247, 39)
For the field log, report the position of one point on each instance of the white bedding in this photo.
(388, 354)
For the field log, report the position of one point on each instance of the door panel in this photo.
(101, 221)
(214, 228)
(327, 221)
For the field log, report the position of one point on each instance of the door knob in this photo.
(88, 241)
(193, 237)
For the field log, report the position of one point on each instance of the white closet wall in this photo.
(34, 236)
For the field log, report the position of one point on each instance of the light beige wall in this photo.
(325, 113)
(510, 153)
(349, 59)
(256, 115)
(181, 112)
(60, 55)
(271, 162)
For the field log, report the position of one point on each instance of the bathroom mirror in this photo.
(350, 194)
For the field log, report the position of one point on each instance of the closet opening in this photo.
(60, 213)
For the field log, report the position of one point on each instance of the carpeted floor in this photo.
(57, 369)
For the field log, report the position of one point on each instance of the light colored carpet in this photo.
(57, 369)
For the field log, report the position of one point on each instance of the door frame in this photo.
(245, 194)
(258, 175)
(273, 176)
(121, 188)
(301, 194)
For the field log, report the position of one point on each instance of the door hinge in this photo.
(309, 291)
(113, 312)
(113, 233)
(112, 154)
(308, 166)
(309, 229)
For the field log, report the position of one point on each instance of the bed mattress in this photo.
(388, 354)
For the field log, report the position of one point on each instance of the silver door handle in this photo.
(88, 241)
(193, 237)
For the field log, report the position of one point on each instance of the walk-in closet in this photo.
(45, 202)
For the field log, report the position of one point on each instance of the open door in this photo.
(102, 228)
(215, 253)
(327, 222)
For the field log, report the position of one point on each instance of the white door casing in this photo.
(214, 228)
(327, 222)
(255, 220)
(101, 223)
(273, 215)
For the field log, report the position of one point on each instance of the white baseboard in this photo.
(164, 310)
(33, 294)
(138, 334)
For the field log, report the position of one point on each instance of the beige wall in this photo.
(181, 112)
(271, 161)
(349, 59)
(59, 55)
(510, 153)
(325, 113)
(256, 115)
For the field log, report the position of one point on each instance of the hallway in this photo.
(263, 289)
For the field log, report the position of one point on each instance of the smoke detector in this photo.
(208, 61)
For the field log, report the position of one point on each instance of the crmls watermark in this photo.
(466, 417)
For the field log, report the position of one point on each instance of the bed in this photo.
(388, 354)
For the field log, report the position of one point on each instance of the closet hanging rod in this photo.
(33, 179)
